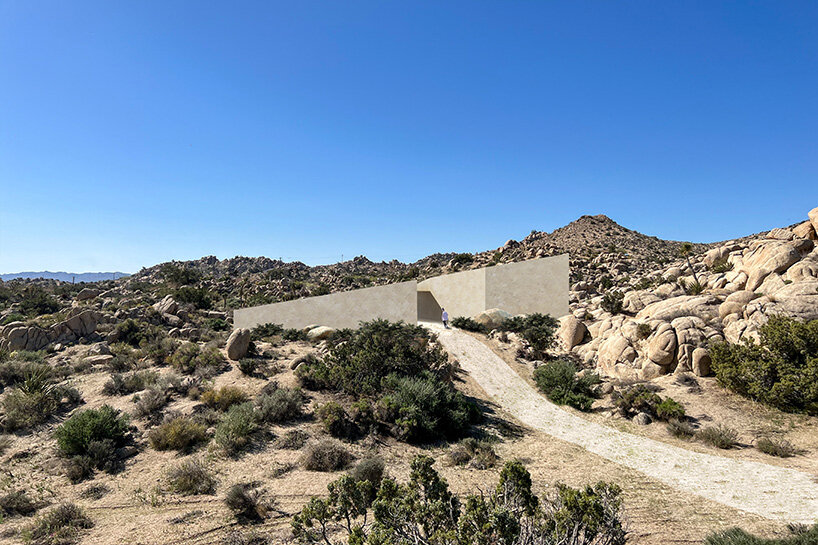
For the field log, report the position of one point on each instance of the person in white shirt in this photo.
(445, 318)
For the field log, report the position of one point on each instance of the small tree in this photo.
(686, 249)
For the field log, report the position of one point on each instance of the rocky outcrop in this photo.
(88, 293)
(19, 336)
(571, 331)
(167, 305)
(238, 344)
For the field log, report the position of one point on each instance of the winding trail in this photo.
(772, 492)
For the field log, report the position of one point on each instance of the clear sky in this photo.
(138, 132)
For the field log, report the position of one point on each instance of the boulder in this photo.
(614, 351)
(730, 307)
(100, 359)
(701, 306)
(813, 218)
(780, 234)
(741, 296)
(684, 358)
(672, 274)
(492, 317)
(168, 305)
(805, 230)
(320, 333)
(571, 331)
(99, 349)
(804, 270)
(766, 258)
(634, 301)
(799, 300)
(662, 346)
(87, 293)
(701, 362)
(642, 419)
(238, 343)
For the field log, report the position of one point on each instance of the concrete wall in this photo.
(537, 285)
(392, 302)
(461, 294)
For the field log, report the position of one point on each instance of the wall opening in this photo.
(428, 307)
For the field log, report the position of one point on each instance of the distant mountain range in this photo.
(66, 276)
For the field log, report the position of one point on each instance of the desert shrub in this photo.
(179, 274)
(680, 429)
(776, 447)
(78, 433)
(224, 398)
(537, 329)
(643, 330)
(336, 421)
(640, 398)
(780, 371)
(292, 440)
(181, 433)
(480, 453)
(245, 502)
(721, 265)
(718, 436)
(425, 506)
(692, 288)
(612, 301)
(736, 536)
(369, 469)
(36, 301)
(468, 324)
(235, 431)
(424, 408)
(562, 384)
(122, 384)
(13, 317)
(265, 331)
(248, 366)
(325, 455)
(668, 409)
(95, 492)
(191, 477)
(293, 335)
(462, 259)
(199, 297)
(5, 443)
(17, 370)
(19, 502)
(34, 400)
(358, 360)
(276, 405)
(150, 403)
(218, 324)
(189, 359)
(60, 526)
(131, 332)
(159, 348)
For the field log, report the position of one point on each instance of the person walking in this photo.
(445, 318)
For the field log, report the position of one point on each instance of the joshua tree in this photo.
(685, 250)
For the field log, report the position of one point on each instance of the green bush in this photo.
(336, 421)
(737, 536)
(191, 477)
(17, 370)
(248, 366)
(60, 526)
(468, 324)
(358, 360)
(122, 384)
(424, 506)
(199, 297)
(265, 331)
(369, 469)
(189, 359)
(276, 405)
(245, 502)
(179, 275)
(224, 398)
(217, 324)
(423, 408)
(680, 429)
(668, 409)
(561, 384)
(235, 431)
(181, 433)
(537, 329)
(612, 301)
(150, 403)
(78, 433)
(781, 371)
(36, 302)
(480, 453)
(131, 332)
(19, 503)
(720, 436)
(721, 265)
(325, 455)
(776, 447)
(462, 259)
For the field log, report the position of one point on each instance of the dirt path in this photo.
(772, 492)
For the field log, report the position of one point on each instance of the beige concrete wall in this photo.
(461, 294)
(392, 302)
(537, 285)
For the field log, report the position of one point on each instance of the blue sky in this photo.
(137, 132)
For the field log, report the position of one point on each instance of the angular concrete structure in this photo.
(537, 285)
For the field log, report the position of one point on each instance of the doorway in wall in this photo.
(428, 307)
